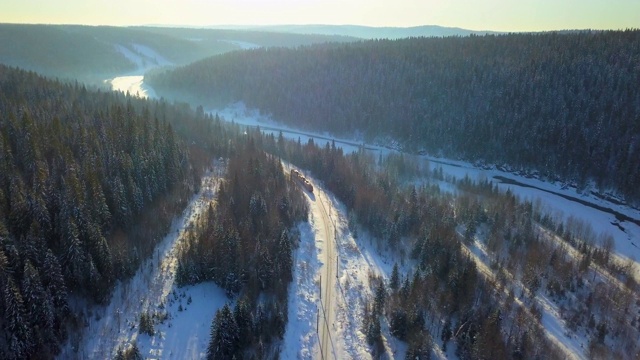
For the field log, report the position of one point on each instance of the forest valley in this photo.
(90, 181)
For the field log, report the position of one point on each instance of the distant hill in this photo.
(258, 36)
(367, 32)
(94, 53)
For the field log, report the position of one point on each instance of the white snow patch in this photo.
(134, 85)
(185, 335)
(240, 114)
(151, 55)
(130, 55)
(300, 337)
(142, 56)
(242, 44)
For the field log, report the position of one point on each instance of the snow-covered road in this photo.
(312, 318)
(327, 316)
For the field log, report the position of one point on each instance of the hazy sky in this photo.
(500, 15)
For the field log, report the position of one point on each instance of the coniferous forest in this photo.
(245, 245)
(88, 182)
(564, 105)
(91, 180)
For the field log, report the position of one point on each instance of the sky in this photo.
(497, 15)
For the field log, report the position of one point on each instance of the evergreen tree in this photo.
(380, 299)
(242, 316)
(54, 282)
(224, 335)
(19, 335)
(39, 310)
(394, 282)
(399, 324)
(285, 258)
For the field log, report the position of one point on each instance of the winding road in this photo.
(326, 243)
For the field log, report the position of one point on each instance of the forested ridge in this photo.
(564, 105)
(245, 243)
(89, 182)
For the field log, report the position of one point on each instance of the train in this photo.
(295, 174)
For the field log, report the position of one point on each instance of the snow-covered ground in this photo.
(134, 85)
(312, 296)
(142, 56)
(300, 337)
(552, 196)
(242, 44)
(554, 326)
(357, 257)
(188, 311)
(240, 114)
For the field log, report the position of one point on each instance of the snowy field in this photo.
(182, 316)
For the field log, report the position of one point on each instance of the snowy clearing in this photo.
(182, 316)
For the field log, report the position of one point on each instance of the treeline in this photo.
(564, 105)
(245, 245)
(89, 182)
